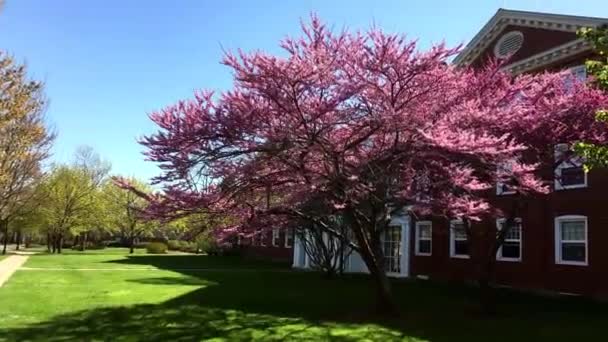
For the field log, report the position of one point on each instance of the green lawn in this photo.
(192, 298)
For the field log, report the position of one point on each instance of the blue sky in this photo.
(108, 63)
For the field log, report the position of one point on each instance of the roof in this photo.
(549, 21)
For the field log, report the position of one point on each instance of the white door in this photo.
(391, 245)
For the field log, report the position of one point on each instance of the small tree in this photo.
(71, 193)
(125, 209)
(596, 154)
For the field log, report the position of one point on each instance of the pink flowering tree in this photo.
(365, 124)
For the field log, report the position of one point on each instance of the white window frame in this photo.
(275, 237)
(566, 164)
(499, 224)
(453, 242)
(576, 71)
(289, 232)
(263, 238)
(505, 167)
(417, 238)
(559, 241)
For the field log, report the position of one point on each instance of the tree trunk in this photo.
(49, 242)
(486, 292)
(131, 245)
(18, 239)
(60, 245)
(385, 303)
(5, 232)
(83, 240)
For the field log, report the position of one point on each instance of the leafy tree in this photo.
(596, 154)
(71, 193)
(125, 211)
(24, 140)
(369, 126)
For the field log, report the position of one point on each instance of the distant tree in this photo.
(596, 155)
(25, 140)
(370, 125)
(71, 193)
(125, 209)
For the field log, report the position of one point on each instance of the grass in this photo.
(192, 298)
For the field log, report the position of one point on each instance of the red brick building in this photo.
(275, 245)
(559, 241)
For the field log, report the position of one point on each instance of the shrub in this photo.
(173, 245)
(91, 245)
(156, 248)
(139, 245)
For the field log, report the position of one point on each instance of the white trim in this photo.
(546, 57)
(559, 241)
(566, 164)
(504, 18)
(499, 257)
(262, 238)
(404, 261)
(275, 237)
(289, 232)
(504, 168)
(453, 240)
(417, 238)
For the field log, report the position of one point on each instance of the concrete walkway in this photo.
(9, 265)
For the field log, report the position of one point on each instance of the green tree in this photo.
(596, 155)
(125, 209)
(72, 202)
(25, 140)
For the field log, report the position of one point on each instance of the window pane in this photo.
(573, 251)
(572, 176)
(424, 231)
(461, 248)
(459, 231)
(573, 230)
(424, 246)
(514, 233)
(510, 250)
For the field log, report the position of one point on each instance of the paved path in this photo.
(9, 265)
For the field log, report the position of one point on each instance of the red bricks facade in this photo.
(538, 269)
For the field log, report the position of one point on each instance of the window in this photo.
(424, 238)
(571, 240)
(508, 44)
(569, 172)
(577, 74)
(391, 247)
(262, 237)
(275, 237)
(511, 247)
(459, 244)
(503, 188)
(289, 237)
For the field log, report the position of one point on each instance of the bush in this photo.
(173, 245)
(156, 248)
(91, 245)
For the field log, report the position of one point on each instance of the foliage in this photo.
(25, 141)
(355, 121)
(596, 155)
(73, 202)
(124, 211)
(156, 248)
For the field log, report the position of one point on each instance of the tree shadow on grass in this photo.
(268, 304)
